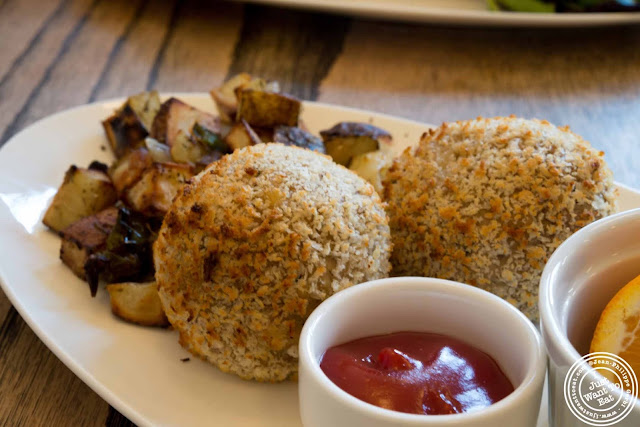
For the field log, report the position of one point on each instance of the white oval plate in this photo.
(137, 370)
(459, 12)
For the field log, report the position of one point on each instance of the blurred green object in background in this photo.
(549, 6)
(522, 5)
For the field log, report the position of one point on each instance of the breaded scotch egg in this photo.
(254, 243)
(487, 201)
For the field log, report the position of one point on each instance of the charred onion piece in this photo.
(210, 140)
(291, 135)
(128, 252)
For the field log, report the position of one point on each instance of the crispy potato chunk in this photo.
(372, 166)
(174, 126)
(83, 192)
(131, 123)
(225, 96)
(137, 303)
(241, 135)
(127, 170)
(267, 109)
(85, 237)
(156, 188)
(185, 150)
(346, 140)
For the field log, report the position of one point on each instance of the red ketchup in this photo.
(416, 372)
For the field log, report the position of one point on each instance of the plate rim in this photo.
(391, 9)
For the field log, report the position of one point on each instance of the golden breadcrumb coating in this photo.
(254, 243)
(487, 201)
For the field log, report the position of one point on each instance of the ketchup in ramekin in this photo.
(417, 372)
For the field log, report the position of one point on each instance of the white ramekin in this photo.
(423, 305)
(580, 278)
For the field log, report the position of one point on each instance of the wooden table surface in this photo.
(62, 53)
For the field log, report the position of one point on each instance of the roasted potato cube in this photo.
(127, 170)
(137, 303)
(344, 149)
(83, 192)
(225, 96)
(131, 123)
(175, 116)
(174, 125)
(346, 140)
(158, 185)
(241, 135)
(146, 105)
(85, 237)
(202, 146)
(290, 135)
(372, 166)
(267, 109)
(185, 150)
(258, 83)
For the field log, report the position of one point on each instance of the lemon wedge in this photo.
(618, 330)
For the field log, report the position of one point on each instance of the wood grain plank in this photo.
(116, 49)
(162, 48)
(84, 53)
(21, 22)
(19, 83)
(36, 388)
(198, 50)
(116, 419)
(5, 305)
(135, 53)
(588, 79)
(295, 48)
